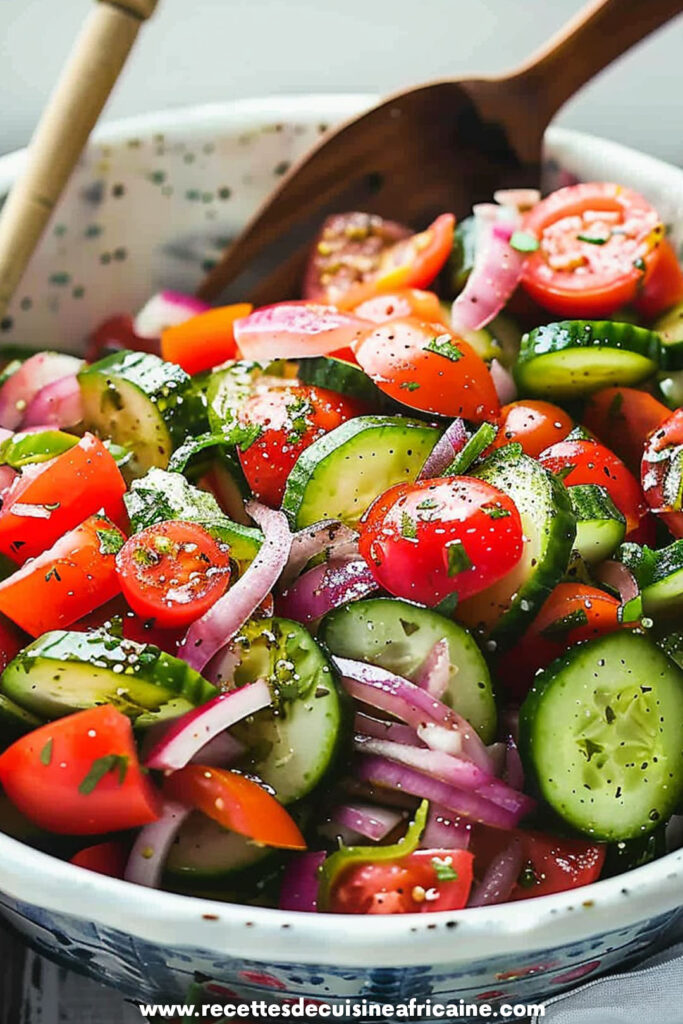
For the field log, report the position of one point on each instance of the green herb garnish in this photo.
(558, 629)
(101, 767)
(408, 527)
(458, 559)
(442, 345)
(46, 753)
(524, 241)
(443, 869)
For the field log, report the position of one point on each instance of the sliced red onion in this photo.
(500, 877)
(618, 577)
(445, 831)
(326, 535)
(192, 731)
(20, 389)
(456, 771)
(148, 856)
(503, 382)
(435, 670)
(7, 477)
(463, 741)
(299, 889)
(58, 404)
(290, 330)
(444, 451)
(371, 822)
(520, 198)
(496, 272)
(220, 752)
(513, 772)
(366, 725)
(498, 792)
(212, 631)
(166, 309)
(382, 772)
(325, 587)
(496, 752)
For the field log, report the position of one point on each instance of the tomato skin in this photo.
(551, 632)
(12, 639)
(401, 357)
(236, 802)
(108, 858)
(64, 583)
(205, 340)
(536, 425)
(663, 285)
(114, 334)
(44, 775)
(405, 302)
(71, 487)
(406, 886)
(173, 572)
(661, 473)
(291, 418)
(427, 540)
(589, 462)
(573, 277)
(623, 418)
(550, 863)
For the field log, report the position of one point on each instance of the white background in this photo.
(195, 51)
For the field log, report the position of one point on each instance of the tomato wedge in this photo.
(406, 302)
(11, 641)
(104, 858)
(534, 424)
(662, 471)
(173, 572)
(663, 287)
(80, 775)
(66, 582)
(428, 368)
(235, 802)
(52, 497)
(423, 882)
(205, 340)
(623, 418)
(599, 243)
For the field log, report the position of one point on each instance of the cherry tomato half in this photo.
(663, 286)
(532, 423)
(173, 572)
(406, 302)
(104, 858)
(623, 418)
(662, 472)
(599, 242)
(427, 540)
(426, 367)
(422, 882)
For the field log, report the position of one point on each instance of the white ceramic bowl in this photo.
(151, 203)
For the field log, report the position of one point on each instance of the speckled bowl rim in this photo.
(268, 935)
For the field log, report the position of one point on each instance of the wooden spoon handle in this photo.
(91, 71)
(600, 32)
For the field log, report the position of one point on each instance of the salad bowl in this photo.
(153, 202)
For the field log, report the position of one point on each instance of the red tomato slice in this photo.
(589, 462)
(205, 340)
(52, 497)
(11, 641)
(291, 330)
(426, 367)
(427, 540)
(598, 243)
(286, 420)
(623, 418)
(104, 858)
(235, 802)
(662, 469)
(663, 286)
(80, 775)
(534, 424)
(422, 882)
(76, 575)
(550, 863)
(173, 572)
(115, 334)
(407, 302)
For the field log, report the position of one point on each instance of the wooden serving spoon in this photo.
(91, 71)
(438, 147)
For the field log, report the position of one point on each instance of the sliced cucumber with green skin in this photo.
(292, 744)
(575, 357)
(143, 403)
(669, 389)
(15, 721)
(628, 854)
(160, 496)
(601, 733)
(672, 645)
(344, 378)
(205, 852)
(502, 611)
(398, 636)
(461, 260)
(65, 671)
(670, 330)
(659, 575)
(341, 474)
(600, 526)
(484, 435)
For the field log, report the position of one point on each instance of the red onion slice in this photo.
(445, 831)
(212, 631)
(325, 587)
(32, 376)
(7, 478)
(500, 877)
(503, 382)
(463, 742)
(456, 771)
(382, 729)
(299, 889)
(166, 309)
(618, 577)
(371, 822)
(192, 731)
(290, 330)
(148, 856)
(445, 450)
(513, 772)
(496, 272)
(58, 404)
(435, 670)
(313, 540)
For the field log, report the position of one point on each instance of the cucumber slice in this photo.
(483, 436)
(15, 721)
(340, 474)
(574, 357)
(160, 496)
(344, 378)
(670, 330)
(143, 403)
(600, 526)
(293, 743)
(461, 260)
(669, 389)
(503, 611)
(398, 636)
(65, 671)
(204, 851)
(601, 731)
(659, 575)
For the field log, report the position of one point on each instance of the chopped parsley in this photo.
(101, 767)
(409, 385)
(298, 411)
(558, 629)
(447, 605)
(594, 239)
(524, 241)
(111, 541)
(428, 503)
(408, 527)
(46, 752)
(494, 511)
(444, 870)
(458, 559)
(442, 345)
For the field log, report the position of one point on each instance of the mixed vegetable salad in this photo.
(366, 602)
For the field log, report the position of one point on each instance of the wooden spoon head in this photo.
(422, 152)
